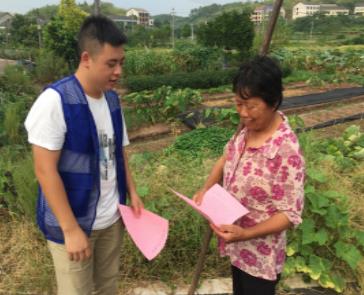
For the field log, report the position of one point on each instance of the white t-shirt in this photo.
(46, 128)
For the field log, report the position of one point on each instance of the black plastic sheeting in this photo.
(333, 122)
(325, 97)
(193, 118)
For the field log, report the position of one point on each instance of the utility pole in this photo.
(172, 26)
(192, 33)
(97, 7)
(311, 30)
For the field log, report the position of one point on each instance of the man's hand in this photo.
(136, 203)
(231, 233)
(77, 244)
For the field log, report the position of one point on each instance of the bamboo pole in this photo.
(270, 30)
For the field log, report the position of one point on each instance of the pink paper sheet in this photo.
(218, 206)
(148, 231)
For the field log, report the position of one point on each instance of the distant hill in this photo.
(47, 12)
(196, 16)
(206, 13)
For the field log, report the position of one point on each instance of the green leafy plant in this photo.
(164, 103)
(326, 247)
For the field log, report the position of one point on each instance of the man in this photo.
(78, 134)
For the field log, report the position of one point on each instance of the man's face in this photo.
(105, 66)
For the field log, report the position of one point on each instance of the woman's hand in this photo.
(198, 196)
(230, 232)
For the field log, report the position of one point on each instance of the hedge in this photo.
(195, 80)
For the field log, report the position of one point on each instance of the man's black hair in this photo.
(260, 77)
(97, 31)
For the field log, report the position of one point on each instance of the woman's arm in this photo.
(214, 177)
(232, 233)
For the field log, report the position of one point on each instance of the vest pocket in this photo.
(78, 187)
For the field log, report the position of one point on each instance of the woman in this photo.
(263, 168)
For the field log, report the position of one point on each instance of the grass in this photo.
(26, 267)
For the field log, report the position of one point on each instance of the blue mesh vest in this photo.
(79, 160)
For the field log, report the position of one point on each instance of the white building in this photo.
(263, 12)
(302, 10)
(333, 9)
(359, 9)
(142, 16)
(5, 20)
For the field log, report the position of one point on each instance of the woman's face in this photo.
(254, 113)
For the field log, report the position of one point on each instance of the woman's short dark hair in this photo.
(260, 77)
(97, 30)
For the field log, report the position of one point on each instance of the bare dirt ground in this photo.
(4, 63)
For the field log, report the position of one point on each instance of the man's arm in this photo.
(136, 202)
(45, 166)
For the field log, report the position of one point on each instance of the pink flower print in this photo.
(247, 222)
(299, 176)
(278, 141)
(271, 210)
(258, 172)
(244, 202)
(292, 137)
(277, 192)
(241, 146)
(226, 177)
(230, 151)
(235, 189)
(258, 193)
(247, 168)
(282, 127)
(284, 173)
(299, 204)
(237, 263)
(264, 249)
(274, 164)
(295, 161)
(248, 257)
(281, 257)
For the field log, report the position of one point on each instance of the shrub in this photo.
(196, 80)
(16, 80)
(50, 67)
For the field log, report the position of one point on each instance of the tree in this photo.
(23, 30)
(186, 31)
(230, 30)
(60, 35)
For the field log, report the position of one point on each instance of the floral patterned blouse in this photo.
(266, 180)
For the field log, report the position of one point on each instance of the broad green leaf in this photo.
(308, 231)
(316, 175)
(326, 281)
(289, 266)
(348, 253)
(339, 283)
(292, 248)
(300, 265)
(316, 267)
(321, 237)
(335, 218)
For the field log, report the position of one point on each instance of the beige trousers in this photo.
(98, 274)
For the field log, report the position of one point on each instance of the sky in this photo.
(182, 7)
